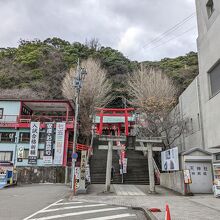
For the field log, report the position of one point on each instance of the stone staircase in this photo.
(98, 164)
(137, 169)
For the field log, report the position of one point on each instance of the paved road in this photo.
(197, 207)
(63, 209)
(44, 202)
(127, 190)
(19, 202)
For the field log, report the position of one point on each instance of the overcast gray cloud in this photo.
(126, 25)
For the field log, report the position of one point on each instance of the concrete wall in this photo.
(11, 108)
(190, 114)
(190, 110)
(173, 181)
(41, 174)
(209, 53)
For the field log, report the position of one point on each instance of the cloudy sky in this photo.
(132, 26)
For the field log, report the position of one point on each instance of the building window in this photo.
(198, 117)
(191, 124)
(26, 111)
(210, 7)
(214, 76)
(7, 137)
(217, 156)
(24, 137)
(40, 154)
(42, 137)
(26, 153)
(5, 156)
(1, 112)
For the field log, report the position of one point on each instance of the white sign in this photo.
(83, 170)
(88, 178)
(59, 143)
(125, 162)
(170, 159)
(33, 150)
(20, 152)
(47, 160)
(187, 176)
(77, 175)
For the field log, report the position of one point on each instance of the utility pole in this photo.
(77, 83)
(15, 154)
(125, 102)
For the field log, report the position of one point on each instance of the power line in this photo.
(188, 30)
(170, 30)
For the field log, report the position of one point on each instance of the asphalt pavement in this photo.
(16, 203)
(44, 202)
(63, 209)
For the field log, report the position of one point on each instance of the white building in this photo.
(199, 104)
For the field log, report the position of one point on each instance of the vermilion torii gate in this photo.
(114, 118)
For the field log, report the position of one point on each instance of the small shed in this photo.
(199, 162)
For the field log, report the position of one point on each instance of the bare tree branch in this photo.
(154, 94)
(95, 92)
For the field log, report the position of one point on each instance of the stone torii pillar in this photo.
(110, 148)
(149, 149)
(144, 148)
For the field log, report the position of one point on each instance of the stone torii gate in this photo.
(146, 145)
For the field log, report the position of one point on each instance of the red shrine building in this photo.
(118, 122)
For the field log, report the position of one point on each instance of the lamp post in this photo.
(77, 83)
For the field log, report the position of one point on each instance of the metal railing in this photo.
(9, 119)
(40, 118)
(157, 171)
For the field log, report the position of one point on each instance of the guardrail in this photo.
(40, 118)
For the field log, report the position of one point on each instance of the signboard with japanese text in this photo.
(34, 138)
(20, 154)
(59, 143)
(170, 159)
(77, 175)
(88, 178)
(48, 148)
(201, 176)
(83, 170)
(125, 162)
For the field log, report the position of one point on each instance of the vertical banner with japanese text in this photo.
(48, 148)
(82, 180)
(33, 150)
(59, 143)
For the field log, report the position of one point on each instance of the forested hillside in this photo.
(182, 69)
(37, 68)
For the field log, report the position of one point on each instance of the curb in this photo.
(147, 213)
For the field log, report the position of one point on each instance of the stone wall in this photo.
(173, 181)
(41, 174)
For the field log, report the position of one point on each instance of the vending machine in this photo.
(216, 186)
(7, 174)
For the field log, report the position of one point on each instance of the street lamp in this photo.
(80, 76)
